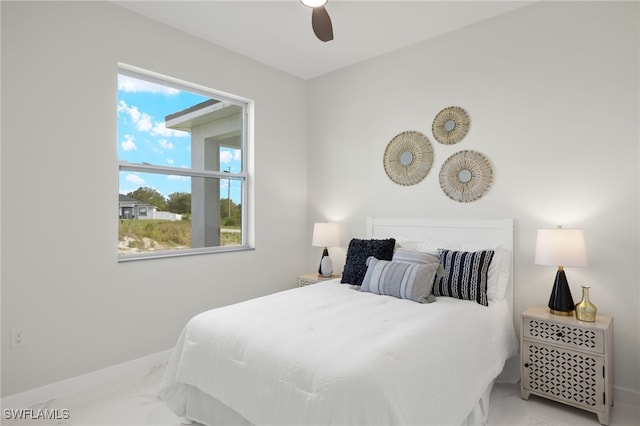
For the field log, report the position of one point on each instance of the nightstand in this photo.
(567, 360)
(309, 279)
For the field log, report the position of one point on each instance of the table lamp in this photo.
(561, 247)
(325, 235)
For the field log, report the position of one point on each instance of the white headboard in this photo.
(498, 232)
(488, 233)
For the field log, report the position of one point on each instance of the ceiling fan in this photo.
(320, 20)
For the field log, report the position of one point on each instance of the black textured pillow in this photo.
(359, 250)
(465, 275)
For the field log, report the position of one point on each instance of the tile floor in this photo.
(134, 402)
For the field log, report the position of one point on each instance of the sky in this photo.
(143, 138)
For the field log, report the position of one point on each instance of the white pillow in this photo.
(407, 244)
(402, 254)
(498, 276)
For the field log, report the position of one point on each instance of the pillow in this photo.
(357, 254)
(465, 275)
(412, 256)
(498, 275)
(408, 244)
(403, 280)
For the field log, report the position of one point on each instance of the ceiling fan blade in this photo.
(321, 23)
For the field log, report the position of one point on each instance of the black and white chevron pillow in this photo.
(465, 275)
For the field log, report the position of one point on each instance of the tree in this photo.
(149, 196)
(179, 202)
(230, 213)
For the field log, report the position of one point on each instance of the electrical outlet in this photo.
(18, 338)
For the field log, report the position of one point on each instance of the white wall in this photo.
(81, 310)
(552, 92)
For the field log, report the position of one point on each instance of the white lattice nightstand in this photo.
(567, 360)
(309, 279)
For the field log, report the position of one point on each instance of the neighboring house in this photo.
(132, 208)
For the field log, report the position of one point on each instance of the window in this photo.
(182, 153)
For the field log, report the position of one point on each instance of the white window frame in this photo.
(245, 176)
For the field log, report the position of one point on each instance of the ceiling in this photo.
(279, 34)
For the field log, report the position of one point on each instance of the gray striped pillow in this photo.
(404, 280)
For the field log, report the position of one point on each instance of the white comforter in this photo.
(329, 354)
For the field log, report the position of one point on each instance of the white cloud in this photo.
(128, 144)
(142, 120)
(133, 85)
(169, 160)
(130, 111)
(165, 144)
(145, 122)
(134, 178)
(178, 177)
(229, 155)
(161, 130)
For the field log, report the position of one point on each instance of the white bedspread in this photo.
(329, 354)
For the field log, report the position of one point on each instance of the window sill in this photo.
(180, 253)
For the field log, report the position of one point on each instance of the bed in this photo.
(332, 354)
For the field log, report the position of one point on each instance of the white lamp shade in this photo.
(561, 247)
(313, 3)
(325, 235)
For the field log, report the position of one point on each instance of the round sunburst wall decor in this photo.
(466, 176)
(450, 125)
(408, 158)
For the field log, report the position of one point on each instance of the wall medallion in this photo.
(466, 176)
(450, 125)
(408, 158)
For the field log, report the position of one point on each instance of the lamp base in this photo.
(561, 313)
(561, 302)
(326, 267)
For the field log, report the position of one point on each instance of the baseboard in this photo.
(117, 372)
(626, 396)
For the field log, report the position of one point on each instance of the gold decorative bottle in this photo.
(585, 310)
